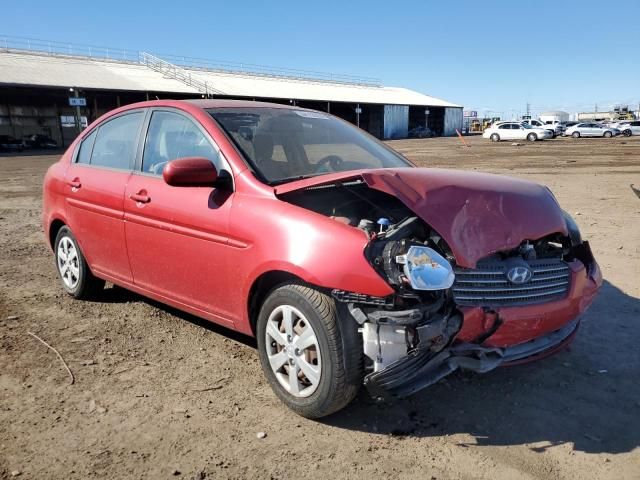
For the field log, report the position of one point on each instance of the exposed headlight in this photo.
(573, 229)
(426, 269)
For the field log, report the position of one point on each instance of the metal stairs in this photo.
(170, 70)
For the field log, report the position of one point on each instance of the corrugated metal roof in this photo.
(58, 71)
(54, 71)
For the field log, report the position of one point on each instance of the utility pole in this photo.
(528, 109)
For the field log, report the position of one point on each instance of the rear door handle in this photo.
(140, 197)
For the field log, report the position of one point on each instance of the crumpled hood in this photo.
(477, 214)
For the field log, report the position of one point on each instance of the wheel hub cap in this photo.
(293, 351)
(68, 262)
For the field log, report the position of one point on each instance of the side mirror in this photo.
(190, 172)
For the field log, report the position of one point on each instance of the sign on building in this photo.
(77, 101)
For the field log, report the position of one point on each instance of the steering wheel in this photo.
(334, 161)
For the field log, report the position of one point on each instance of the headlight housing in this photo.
(426, 269)
(573, 229)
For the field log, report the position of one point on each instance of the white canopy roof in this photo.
(35, 69)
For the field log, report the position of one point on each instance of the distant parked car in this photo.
(591, 129)
(420, 132)
(515, 131)
(568, 125)
(38, 140)
(10, 144)
(629, 127)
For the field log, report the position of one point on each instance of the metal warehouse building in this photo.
(38, 78)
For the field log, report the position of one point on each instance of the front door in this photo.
(95, 183)
(177, 236)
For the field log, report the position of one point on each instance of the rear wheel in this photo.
(312, 359)
(495, 137)
(532, 137)
(575, 134)
(608, 134)
(73, 270)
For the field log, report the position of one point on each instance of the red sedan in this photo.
(350, 265)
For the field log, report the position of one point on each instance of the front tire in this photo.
(575, 134)
(495, 137)
(312, 359)
(73, 270)
(532, 137)
(627, 133)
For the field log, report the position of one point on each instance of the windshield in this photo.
(283, 144)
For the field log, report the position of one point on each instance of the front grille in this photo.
(487, 285)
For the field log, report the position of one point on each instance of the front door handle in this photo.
(75, 183)
(140, 197)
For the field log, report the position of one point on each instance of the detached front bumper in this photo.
(523, 334)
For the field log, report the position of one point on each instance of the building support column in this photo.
(59, 122)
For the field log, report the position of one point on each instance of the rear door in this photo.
(518, 132)
(177, 237)
(504, 131)
(95, 183)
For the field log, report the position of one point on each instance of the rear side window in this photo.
(84, 155)
(504, 127)
(116, 142)
(171, 136)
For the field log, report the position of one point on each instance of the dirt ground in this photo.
(161, 394)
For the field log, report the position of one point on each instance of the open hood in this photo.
(477, 214)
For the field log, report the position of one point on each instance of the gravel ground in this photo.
(161, 394)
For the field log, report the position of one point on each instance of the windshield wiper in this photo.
(293, 178)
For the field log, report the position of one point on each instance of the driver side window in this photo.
(171, 136)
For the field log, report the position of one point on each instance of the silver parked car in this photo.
(591, 129)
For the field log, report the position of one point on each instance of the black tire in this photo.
(627, 133)
(608, 134)
(575, 134)
(532, 137)
(340, 348)
(495, 137)
(88, 285)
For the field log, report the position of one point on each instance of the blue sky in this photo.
(486, 55)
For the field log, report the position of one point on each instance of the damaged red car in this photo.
(348, 264)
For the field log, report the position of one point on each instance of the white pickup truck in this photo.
(555, 127)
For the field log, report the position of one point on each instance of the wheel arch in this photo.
(54, 227)
(262, 286)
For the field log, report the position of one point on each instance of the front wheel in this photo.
(532, 137)
(627, 133)
(608, 134)
(311, 358)
(495, 137)
(575, 134)
(73, 270)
